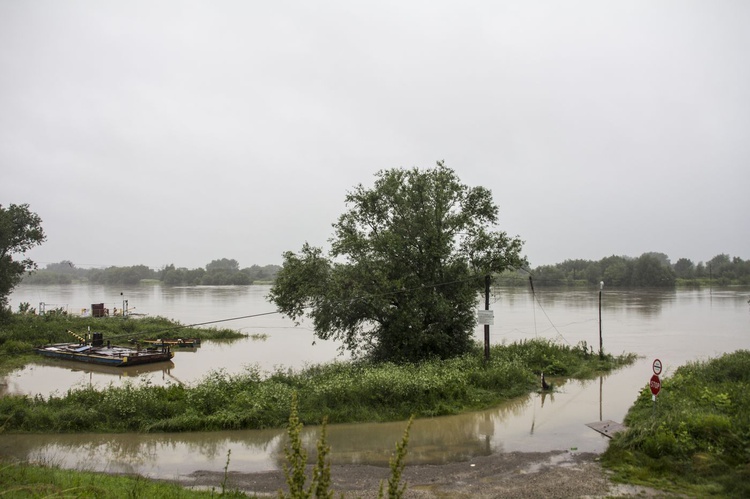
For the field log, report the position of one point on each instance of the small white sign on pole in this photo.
(486, 317)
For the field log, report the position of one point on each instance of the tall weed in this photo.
(295, 466)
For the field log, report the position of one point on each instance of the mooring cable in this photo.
(536, 299)
(174, 328)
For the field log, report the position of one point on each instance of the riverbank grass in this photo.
(696, 439)
(342, 392)
(34, 480)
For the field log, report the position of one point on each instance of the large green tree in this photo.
(684, 268)
(406, 261)
(20, 230)
(651, 270)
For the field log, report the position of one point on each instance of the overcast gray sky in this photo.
(148, 132)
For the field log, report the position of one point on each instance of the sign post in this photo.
(601, 344)
(487, 324)
(655, 383)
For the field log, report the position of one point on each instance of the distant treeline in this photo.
(648, 270)
(219, 272)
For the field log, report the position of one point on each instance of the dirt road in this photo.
(511, 475)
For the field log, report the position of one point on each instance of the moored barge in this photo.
(107, 355)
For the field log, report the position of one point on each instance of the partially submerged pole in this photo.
(601, 345)
(487, 326)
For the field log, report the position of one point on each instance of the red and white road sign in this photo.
(657, 367)
(655, 384)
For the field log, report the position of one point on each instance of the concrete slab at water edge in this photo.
(607, 428)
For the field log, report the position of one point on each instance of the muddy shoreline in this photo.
(509, 475)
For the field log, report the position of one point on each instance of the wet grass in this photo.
(696, 439)
(344, 392)
(37, 481)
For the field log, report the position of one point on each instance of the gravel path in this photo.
(507, 475)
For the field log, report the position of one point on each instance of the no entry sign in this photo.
(657, 367)
(655, 384)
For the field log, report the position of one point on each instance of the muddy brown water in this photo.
(675, 326)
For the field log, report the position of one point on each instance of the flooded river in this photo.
(674, 326)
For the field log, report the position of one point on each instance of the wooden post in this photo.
(601, 345)
(487, 326)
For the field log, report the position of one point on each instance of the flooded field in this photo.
(675, 326)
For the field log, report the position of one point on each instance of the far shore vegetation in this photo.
(651, 269)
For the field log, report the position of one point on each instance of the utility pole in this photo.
(487, 326)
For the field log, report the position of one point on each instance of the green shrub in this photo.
(15, 347)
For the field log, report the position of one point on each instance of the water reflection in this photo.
(57, 377)
(646, 302)
(431, 441)
(542, 397)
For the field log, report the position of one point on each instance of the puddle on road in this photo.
(564, 459)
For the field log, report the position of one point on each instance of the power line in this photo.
(175, 328)
(531, 282)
